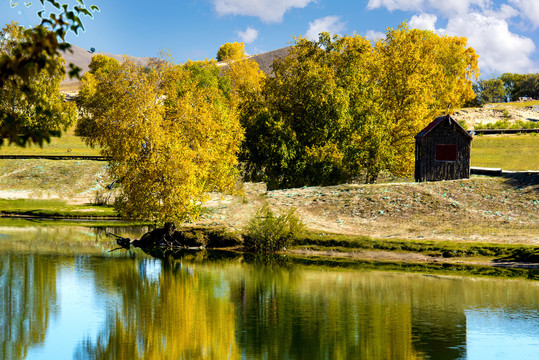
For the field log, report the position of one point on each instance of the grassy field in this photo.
(53, 208)
(68, 144)
(509, 152)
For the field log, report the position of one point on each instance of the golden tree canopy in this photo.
(231, 51)
(171, 132)
(339, 108)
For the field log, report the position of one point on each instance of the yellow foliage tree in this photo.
(420, 75)
(171, 133)
(32, 109)
(341, 108)
(231, 51)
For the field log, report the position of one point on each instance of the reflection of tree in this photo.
(27, 301)
(440, 337)
(173, 314)
(195, 308)
(284, 316)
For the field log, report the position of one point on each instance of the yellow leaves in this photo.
(171, 133)
(342, 107)
(421, 76)
(231, 51)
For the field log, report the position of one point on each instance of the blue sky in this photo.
(505, 33)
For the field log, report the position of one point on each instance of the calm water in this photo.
(63, 295)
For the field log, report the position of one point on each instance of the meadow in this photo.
(517, 152)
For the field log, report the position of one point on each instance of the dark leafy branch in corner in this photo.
(45, 42)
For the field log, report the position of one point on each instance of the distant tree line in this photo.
(506, 87)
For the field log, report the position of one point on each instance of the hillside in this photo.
(507, 112)
(82, 58)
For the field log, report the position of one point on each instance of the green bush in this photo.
(504, 124)
(269, 233)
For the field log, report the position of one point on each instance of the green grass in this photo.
(52, 208)
(424, 268)
(509, 152)
(345, 243)
(67, 145)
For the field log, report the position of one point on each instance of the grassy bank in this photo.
(445, 249)
(509, 152)
(53, 208)
(67, 144)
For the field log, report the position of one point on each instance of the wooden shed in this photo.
(442, 151)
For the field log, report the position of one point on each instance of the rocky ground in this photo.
(491, 114)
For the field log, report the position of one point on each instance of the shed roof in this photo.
(437, 122)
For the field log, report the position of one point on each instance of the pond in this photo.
(64, 295)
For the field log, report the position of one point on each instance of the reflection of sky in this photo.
(502, 334)
(80, 317)
(150, 269)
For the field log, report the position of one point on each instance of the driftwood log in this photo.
(188, 237)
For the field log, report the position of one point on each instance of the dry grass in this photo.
(70, 87)
(73, 181)
(513, 104)
(481, 209)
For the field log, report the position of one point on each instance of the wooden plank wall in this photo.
(428, 169)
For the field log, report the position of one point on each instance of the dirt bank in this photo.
(480, 209)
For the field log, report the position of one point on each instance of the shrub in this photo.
(268, 232)
(101, 198)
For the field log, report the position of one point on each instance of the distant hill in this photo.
(82, 58)
(265, 60)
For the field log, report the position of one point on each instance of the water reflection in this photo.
(203, 305)
(27, 298)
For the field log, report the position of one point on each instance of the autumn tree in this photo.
(309, 111)
(419, 75)
(231, 51)
(32, 110)
(171, 133)
(340, 108)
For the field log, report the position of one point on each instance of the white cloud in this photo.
(529, 9)
(423, 22)
(396, 4)
(267, 10)
(330, 24)
(375, 35)
(505, 12)
(249, 35)
(498, 48)
(446, 7)
(484, 22)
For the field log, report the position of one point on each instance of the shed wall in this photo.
(428, 168)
